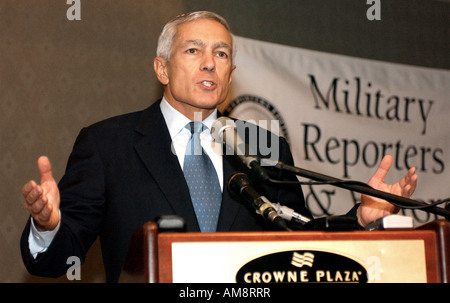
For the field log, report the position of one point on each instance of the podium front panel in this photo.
(296, 257)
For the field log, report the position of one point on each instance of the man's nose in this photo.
(208, 63)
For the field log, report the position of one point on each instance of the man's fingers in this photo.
(33, 195)
(29, 186)
(37, 207)
(383, 169)
(385, 165)
(45, 212)
(41, 211)
(409, 183)
(45, 169)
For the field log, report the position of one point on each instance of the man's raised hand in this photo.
(42, 200)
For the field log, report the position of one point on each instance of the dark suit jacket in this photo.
(121, 174)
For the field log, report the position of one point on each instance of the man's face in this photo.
(199, 73)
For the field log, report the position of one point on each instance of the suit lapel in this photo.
(229, 207)
(155, 151)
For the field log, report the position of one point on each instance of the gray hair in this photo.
(168, 34)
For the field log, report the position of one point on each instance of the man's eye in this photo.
(191, 51)
(222, 54)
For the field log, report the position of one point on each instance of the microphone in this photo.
(223, 130)
(239, 184)
(289, 214)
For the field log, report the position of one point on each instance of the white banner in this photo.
(342, 114)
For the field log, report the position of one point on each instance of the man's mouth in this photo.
(208, 83)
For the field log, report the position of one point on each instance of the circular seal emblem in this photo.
(250, 107)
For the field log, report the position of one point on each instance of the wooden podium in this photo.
(415, 255)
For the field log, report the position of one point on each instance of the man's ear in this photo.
(233, 68)
(159, 64)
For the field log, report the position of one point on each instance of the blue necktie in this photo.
(202, 181)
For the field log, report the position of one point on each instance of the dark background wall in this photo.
(57, 76)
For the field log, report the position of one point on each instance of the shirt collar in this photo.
(176, 121)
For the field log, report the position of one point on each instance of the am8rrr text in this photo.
(234, 292)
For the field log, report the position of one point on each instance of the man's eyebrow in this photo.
(202, 44)
(194, 42)
(222, 45)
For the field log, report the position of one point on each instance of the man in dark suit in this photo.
(128, 170)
